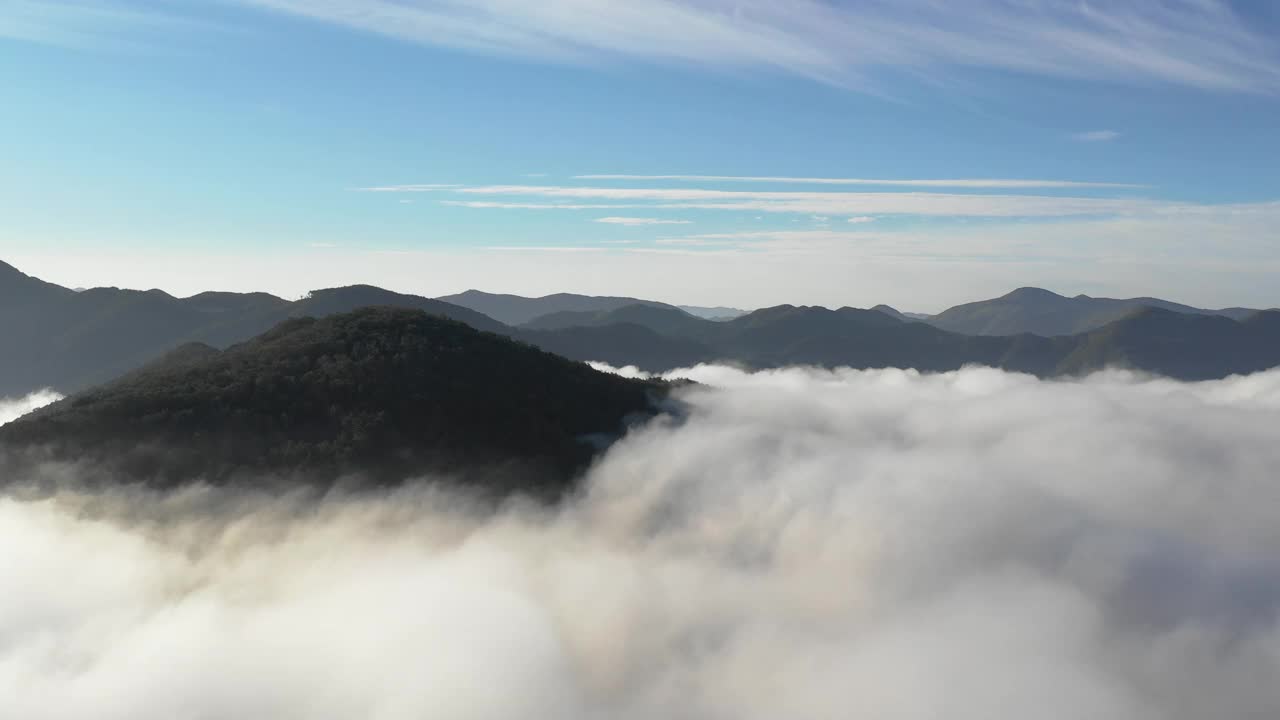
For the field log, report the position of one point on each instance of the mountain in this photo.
(623, 344)
(19, 291)
(658, 340)
(386, 394)
(1041, 312)
(896, 314)
(55, 337)
(1180, 345)
(518, 310)
(665, 320)
(713, 313)
(68, 340)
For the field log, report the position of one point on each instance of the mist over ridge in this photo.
(804, 543)
(13, 408)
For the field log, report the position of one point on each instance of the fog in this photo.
(13, 408)
(802, 544)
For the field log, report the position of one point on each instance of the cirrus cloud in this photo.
(1201, 44)
(640, 222)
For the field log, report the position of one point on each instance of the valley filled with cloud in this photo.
(797, 543)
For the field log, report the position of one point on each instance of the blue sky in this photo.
(741, 152)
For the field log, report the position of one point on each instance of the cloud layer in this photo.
(972, 183)
(804, 544)
(1203, 44)
(13, 408)
(1197, 43)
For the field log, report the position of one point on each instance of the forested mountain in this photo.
(57, 337)
(1041, 312)
(384, 393)
(1181, 345)
(518, 310)
(666, 320)
(714, 313)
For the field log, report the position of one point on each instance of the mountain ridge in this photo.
(71, 340)
(1046, 313)
(383, 393)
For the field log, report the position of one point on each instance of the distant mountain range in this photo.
(1040, 312)
(56, 337)
(517, 310)
(381, 393)
(1181, 345)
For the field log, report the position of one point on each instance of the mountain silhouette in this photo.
(1041, 312)
(1180, 345)
(60, 338)
(56, 337)
(518, 310)
(379, 394)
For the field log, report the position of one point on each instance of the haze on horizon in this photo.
(696, 151)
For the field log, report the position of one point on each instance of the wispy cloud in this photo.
(547, 248)
(640, 222)
(861, 219)
(1196, 43)
(125, 26)
(815, 203)
(418, 187)
(490, 205)
(1174, 237)
(975, 183)
(1096, 136)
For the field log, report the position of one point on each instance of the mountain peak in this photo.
(17, 287)
(388, 393)
(1025, 294)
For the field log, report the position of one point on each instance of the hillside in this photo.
(718, 312)
(665, 320)
(68, 340)
(1181, 345)
(623, 344)
(57, 337)
(518, 310)
(1041, 312)
(382, 393)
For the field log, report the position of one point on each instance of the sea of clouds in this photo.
(801, 544)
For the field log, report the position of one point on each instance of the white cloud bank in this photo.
(13, 408)
(805, 544)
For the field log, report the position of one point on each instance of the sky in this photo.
(726, 152)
